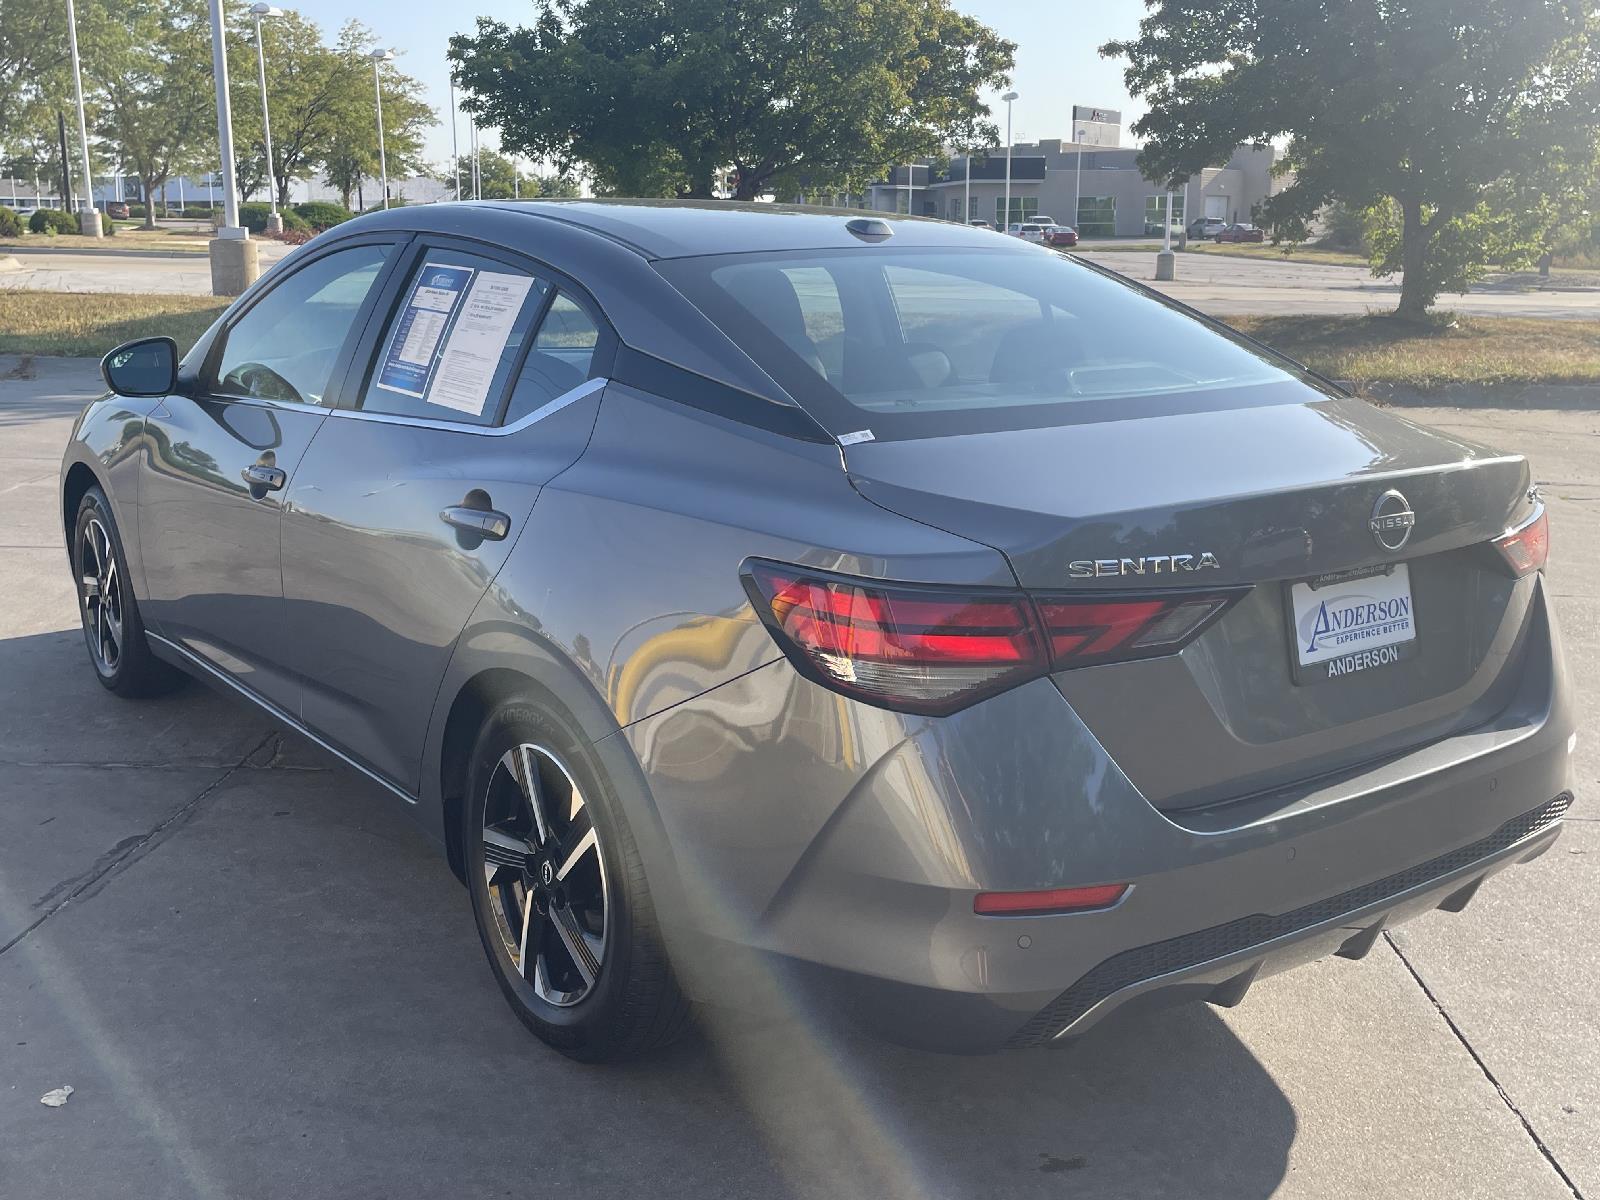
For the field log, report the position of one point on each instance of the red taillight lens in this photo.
(1526, 548)
(1051, 900)
(918, 649)
(935, 650)
(1083, 631)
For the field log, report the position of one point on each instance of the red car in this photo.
(1061, 235)
(1241, 233)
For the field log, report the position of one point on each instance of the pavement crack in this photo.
(1505, 1097)
(128, 851)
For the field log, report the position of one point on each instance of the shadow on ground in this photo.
(262, 981)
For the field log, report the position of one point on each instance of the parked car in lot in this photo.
(1241, 233)
(1061, 235)
(1206, 227)
(116, 210)
(730, 607)
(1030, 231)
(980, 223)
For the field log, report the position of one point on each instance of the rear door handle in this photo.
(486, 523)
(270, 478)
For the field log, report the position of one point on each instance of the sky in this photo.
(1057, 65)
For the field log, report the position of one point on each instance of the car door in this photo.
(218, 461)
(477, 384)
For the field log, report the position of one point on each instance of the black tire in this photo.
(633, 1004)
(131, 670)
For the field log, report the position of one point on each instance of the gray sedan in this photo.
(804, 608)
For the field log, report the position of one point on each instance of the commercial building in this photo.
(1092, 183)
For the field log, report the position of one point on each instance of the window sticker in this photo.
(476, 341)
(414, 344)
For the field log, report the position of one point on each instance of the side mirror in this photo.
(147, 367)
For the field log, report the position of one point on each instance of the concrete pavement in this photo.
(1223, 286)
(64, 271)
(261, 982)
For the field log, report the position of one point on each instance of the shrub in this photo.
(136, 212)
(254, 216)
(106, 226)
(196, 212)
(295, 237)
(321, 214)
(52, 220)
(10, 223)
(394, 202)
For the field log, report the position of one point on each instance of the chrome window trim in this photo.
(587, 388)
(268, 402)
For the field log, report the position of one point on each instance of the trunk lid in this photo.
(1272, 495)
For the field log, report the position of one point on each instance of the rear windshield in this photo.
(924, 343)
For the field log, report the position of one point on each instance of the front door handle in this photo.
(485, 523)
(259, 476)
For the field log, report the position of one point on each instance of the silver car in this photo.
(763, 605)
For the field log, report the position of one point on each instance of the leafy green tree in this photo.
(501, 179)
(1429, 105)
(34, 77)
(351, 154)
(657, 97)
(151, 73)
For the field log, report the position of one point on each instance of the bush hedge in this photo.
(10, 223)
(322, 214)
(52, 220)
(196, 212)
(254, 216)
(135, 212)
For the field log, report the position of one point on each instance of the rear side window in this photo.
(927, 342)
(561, 358)
(285, 345)
(449, 349)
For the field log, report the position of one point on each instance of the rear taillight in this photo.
(912, 648)
(934, 650)
(1050, 900)
(1526, 548)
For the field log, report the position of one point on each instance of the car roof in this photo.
(684, 228)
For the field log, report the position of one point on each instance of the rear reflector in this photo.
(916, 648)
(1526, 548)
(1052, 900)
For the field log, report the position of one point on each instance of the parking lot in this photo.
(261, 982)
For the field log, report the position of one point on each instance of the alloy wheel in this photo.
(100, 585)
(545, 874)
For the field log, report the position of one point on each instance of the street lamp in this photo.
(379, 57)
(88, 219)
(274, 221)
(455, 149)
(1077, 185)
(1009, 98)
(234, 261)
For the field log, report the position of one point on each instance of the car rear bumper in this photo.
(846, 844)
(1217, 964)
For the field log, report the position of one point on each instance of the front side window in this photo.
(449, 348)
(921, 343)
(285, 346)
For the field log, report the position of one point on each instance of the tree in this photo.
(501, 179)
(351, 154)
(656, 97)
(306, 81)
(34, 78)
(152, 78)
(1427, 104)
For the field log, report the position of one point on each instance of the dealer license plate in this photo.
(1348, 624)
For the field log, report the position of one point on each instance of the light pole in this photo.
(966, 203)
(88, 218)
(274, 221)
(1009, 98)
(234, 262)
(1166, 261)
(1077, 184)
(455, 149)
(379, 57)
